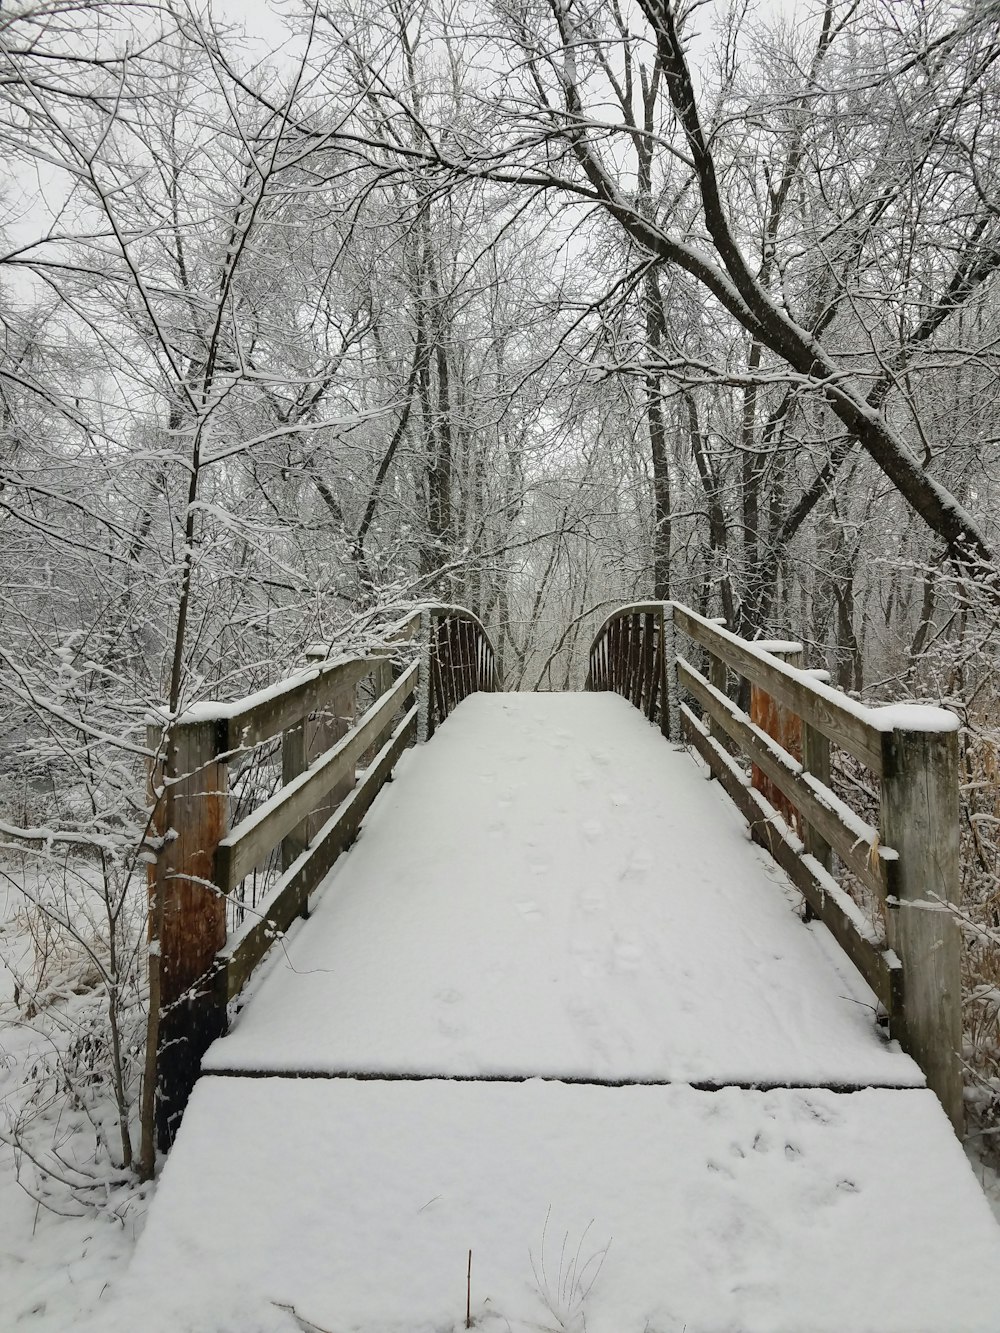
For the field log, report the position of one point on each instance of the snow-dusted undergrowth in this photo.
(71, 1207)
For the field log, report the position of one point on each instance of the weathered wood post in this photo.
(187, 912)
(300, 745)
(294, 761)
(920, 822)
(425, 725)
(670, 711)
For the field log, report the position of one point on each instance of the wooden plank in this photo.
(670, 723)
(920, 813)
(291, 895)
(293, 765)
(719, 678)
(323, 730)
(439, 703)
(839, 724)
(656, 608)
(248, 844)
(816, 760)
(637, 660)
(468, 653)
(255, 723)
(858, 853)
(880, 969)
(650, 640)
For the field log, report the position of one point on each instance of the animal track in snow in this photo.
(529, 909)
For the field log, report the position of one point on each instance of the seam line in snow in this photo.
(701, 1085)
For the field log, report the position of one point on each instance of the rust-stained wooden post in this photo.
(816, 761)
(193, 816)
(920, 822)
(782, 725)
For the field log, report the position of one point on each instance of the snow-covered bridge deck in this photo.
(550, 891)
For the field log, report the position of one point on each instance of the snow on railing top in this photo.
(881, 718)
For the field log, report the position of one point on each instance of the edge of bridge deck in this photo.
(571, 1080)
(354, 1204)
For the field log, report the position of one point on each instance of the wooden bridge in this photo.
(559, 1047)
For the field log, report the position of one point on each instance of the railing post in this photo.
(718, 676)
(782, 725)
(920, 822)
(670, 710)
(425, 726)
(293, 762)
(816, 761)
(193, 816)
(299, 747)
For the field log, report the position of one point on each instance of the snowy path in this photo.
(549, 889)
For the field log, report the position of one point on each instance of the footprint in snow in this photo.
(592, 900)
(638, 866)
(718, 1169)
(628, 957)
(529, 909)
(588, 963)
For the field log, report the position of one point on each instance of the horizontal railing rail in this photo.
(910, 953)
(425, 666)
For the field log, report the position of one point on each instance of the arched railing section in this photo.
(341, 726)
(629, 657)
(462, 661)
(775, 764)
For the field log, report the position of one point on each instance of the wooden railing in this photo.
(629, 656)
(908, 863)
(428, 664)
(462, 661)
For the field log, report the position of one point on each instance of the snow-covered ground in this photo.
(548, 888)
(611, 1210)
(59, 1258)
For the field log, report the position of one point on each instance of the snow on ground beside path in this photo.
(549, 888)
(55, 1267)
(636, 1210)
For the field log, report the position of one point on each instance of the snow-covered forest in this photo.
(313, 313)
